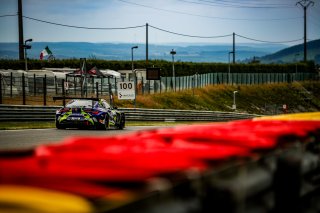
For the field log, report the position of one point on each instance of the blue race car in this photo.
(88, 113)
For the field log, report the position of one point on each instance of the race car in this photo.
(91, 113)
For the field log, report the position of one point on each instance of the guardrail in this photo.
(47, 113)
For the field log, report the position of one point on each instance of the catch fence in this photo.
(20, 87)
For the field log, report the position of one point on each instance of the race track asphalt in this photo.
(29, 138)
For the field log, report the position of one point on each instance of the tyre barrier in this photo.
(259, 165)
(20, 113)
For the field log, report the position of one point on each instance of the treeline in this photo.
(181, 68)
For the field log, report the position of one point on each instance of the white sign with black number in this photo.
(126, 90)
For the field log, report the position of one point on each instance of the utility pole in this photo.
(20, 24)
(229, 69)
(147, 45)
(173, 52)
(134, 76)
(305, 4)
(234, 48)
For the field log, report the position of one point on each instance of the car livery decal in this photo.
(87, 116)
(113, 117)
(65, 116)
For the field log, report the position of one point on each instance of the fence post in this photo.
(109, 91)
(212, 78)
(97, 89)
(205, 79)
(0, 88)
(11, 81)
(75, 85)
(182, 83)
(45, 90)
(56, 84)
(63, 92)
(187, 82)
(92, 84)
(155, 87)
(115, 86)
(165, 84)
(288, 77)
(101, 84)
(23, 90)
(142, 86)
(193, 84)
(34, 85)
(63, 89)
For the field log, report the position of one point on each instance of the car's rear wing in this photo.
(64, 98)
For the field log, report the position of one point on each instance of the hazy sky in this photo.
(267, 20)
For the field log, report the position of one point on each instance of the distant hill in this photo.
(294, 53)
(122, 51)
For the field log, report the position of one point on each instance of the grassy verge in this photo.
(26, 125)
(266, 99)
(256, 99)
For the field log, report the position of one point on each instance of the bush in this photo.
(181, 68)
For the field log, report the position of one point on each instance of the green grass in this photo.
(26, 125)
(256, 99)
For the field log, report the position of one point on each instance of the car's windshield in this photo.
(87, 104)
(80, 103)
